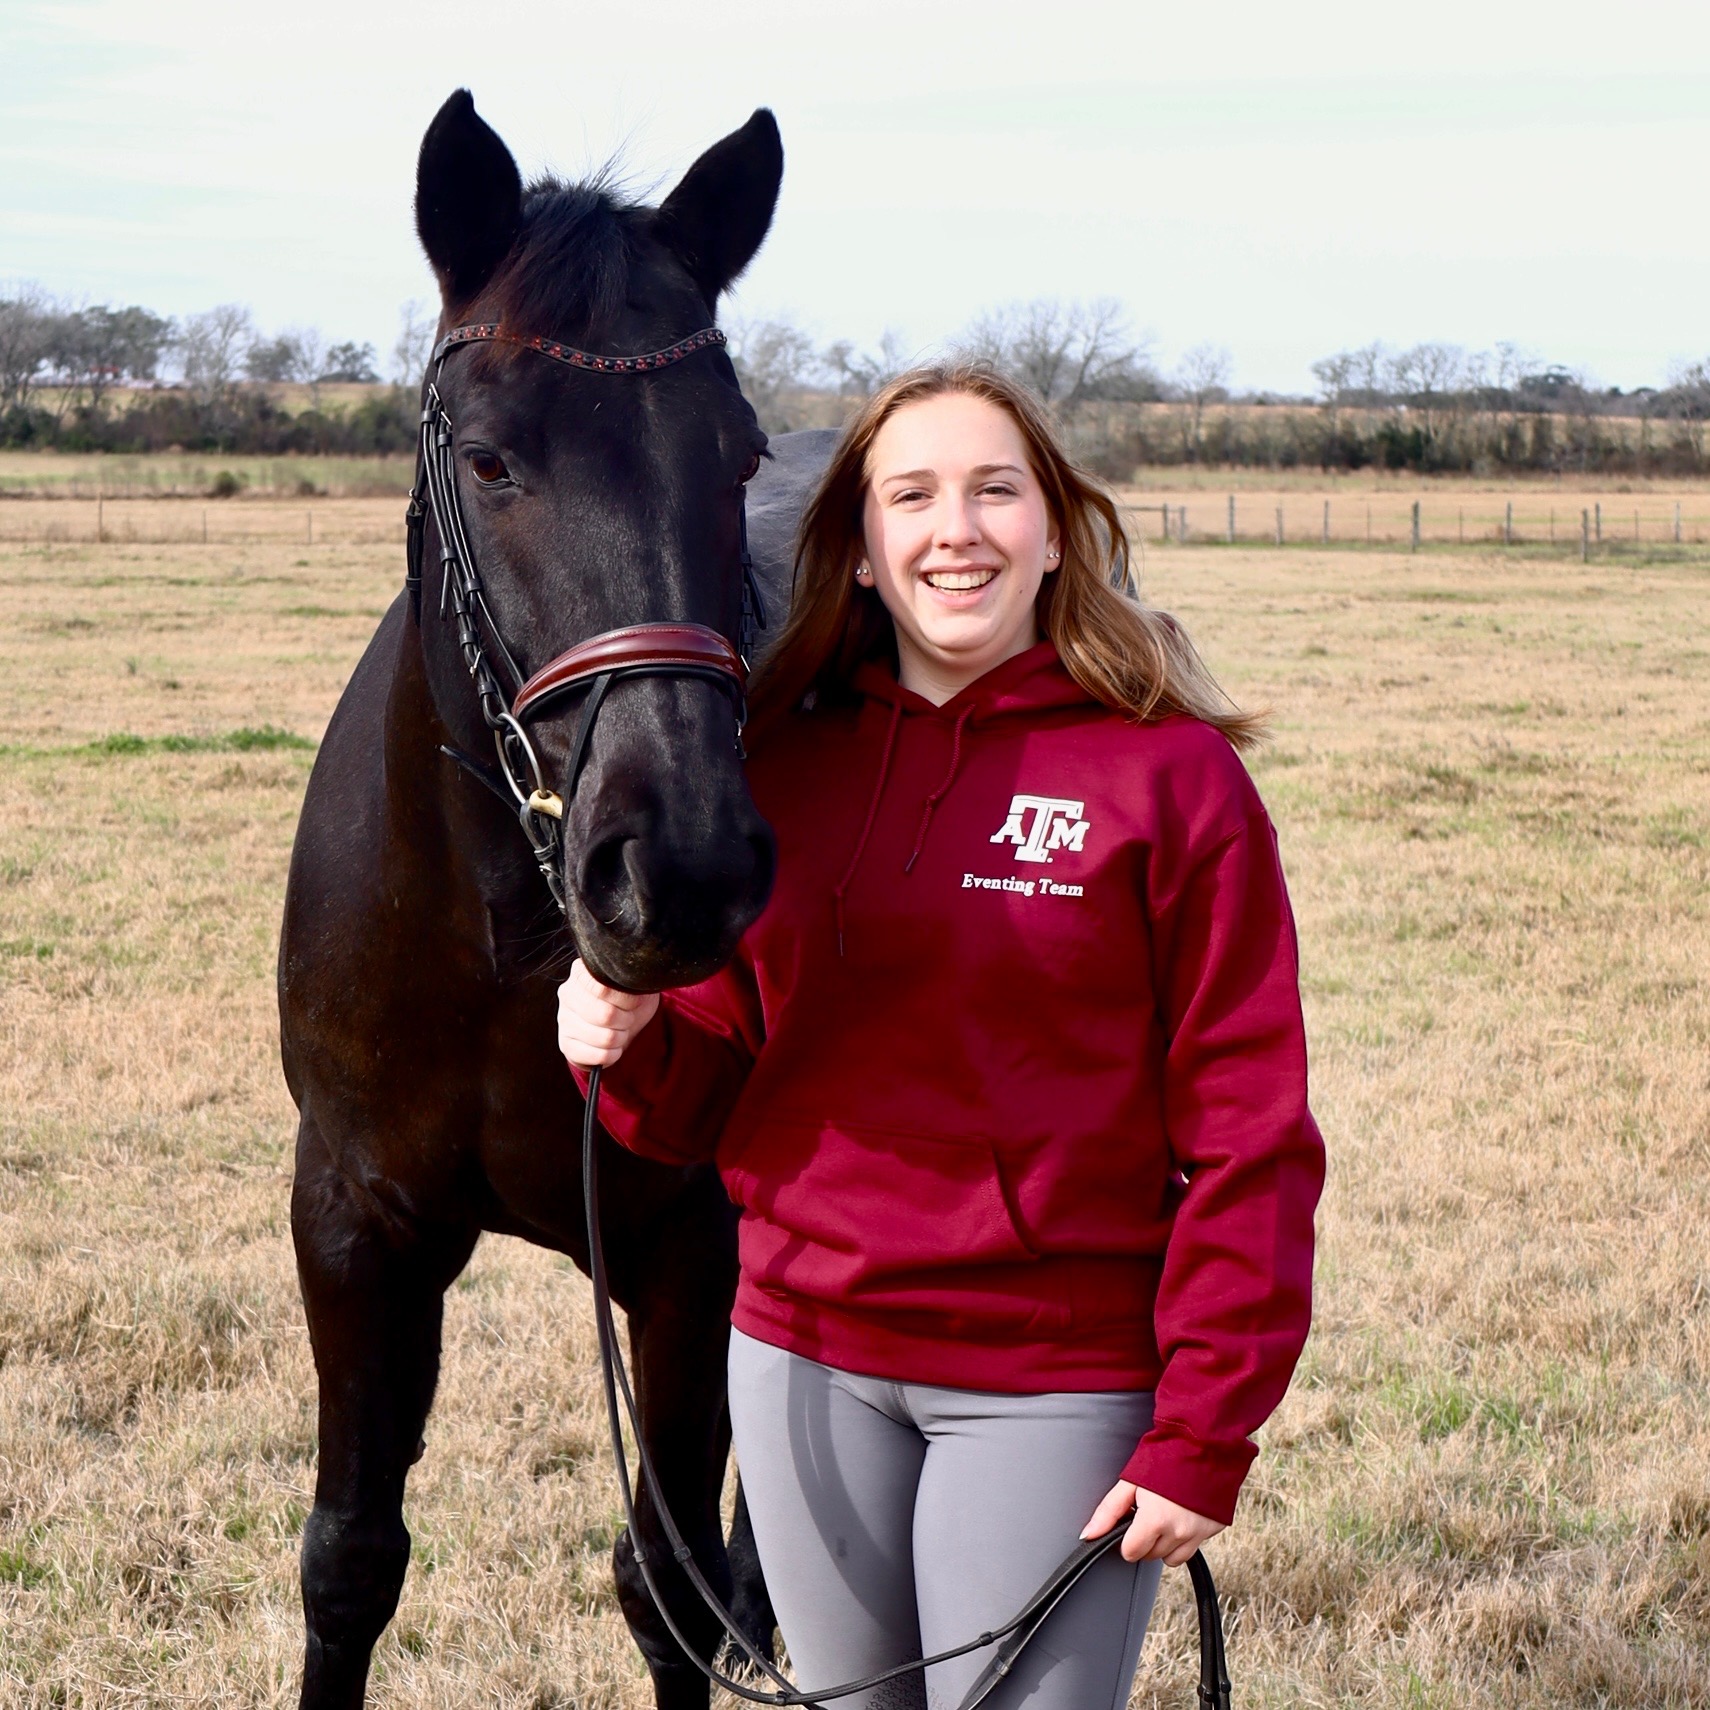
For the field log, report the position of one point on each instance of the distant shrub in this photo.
(226, 485)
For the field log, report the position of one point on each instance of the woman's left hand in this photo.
(1159, 1529)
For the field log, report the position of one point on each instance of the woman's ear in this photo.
(1053, 553)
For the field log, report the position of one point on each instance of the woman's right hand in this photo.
(596, 1022)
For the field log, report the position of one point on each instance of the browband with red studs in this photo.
(487, 332)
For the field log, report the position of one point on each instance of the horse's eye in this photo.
(751, 469)
(488, 468)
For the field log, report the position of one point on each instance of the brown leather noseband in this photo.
(675, 649)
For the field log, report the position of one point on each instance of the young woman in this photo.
(1008, 1081)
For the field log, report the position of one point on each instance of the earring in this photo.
(862, 573)
(1053, 553)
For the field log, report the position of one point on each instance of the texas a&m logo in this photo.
(1039, 824)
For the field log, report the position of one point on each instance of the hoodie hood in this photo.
(1032, 682)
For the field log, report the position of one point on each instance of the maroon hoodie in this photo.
(1009, 1080)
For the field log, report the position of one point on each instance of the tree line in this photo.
(1428, 408)
(103, 377)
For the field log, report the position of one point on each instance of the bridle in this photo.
(642, 649)
(683, 650)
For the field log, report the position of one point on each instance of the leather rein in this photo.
(661, 649)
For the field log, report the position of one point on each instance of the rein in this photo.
(682, 650)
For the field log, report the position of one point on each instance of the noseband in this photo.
(642, 649)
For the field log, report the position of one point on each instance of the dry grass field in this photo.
(1490, 1486)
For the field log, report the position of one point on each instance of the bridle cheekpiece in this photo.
(645, 649)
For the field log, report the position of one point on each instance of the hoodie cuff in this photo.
(1205, 1477)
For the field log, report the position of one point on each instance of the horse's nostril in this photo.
(606, 881)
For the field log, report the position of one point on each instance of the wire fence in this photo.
(1572, 523)
(1564, 522)
(178, 522)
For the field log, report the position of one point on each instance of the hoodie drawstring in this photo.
(872, 814)
(941, 792)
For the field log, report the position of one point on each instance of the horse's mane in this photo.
(568, 274)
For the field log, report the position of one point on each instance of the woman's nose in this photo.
(956, 524)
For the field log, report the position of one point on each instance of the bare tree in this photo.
(1203, 377)
(1424, 377)
(1335, 376)
(772, 358)
(860, 373)
(211, 349)
(1370, 366)
(25, 338)
(1687, 401)
(1067, 352)
(311, 361)
(417, 324)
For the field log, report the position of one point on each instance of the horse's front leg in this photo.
(373, 1291)
(676, 1283)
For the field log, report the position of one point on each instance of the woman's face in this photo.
(958, 539)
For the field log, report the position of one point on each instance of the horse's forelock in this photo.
(569, 275)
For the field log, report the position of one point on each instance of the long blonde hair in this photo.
(1131, 656)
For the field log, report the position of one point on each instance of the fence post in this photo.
(1415, 525)
(1181, 525)
(309, 535)
(1635, 528)
(1461, 525)
(1508, 525)
(100, 518)
(1279, 526)
(1552, 525)
(1599, 522)
(1164, 519)
(204, 526)
(1677, 522)
(1232, 518)
(1326, 522)
(1368, 522)
(1584, 536)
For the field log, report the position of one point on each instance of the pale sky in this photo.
(1285, 181)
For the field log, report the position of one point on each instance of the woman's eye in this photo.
(488, 468)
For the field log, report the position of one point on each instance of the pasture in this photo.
(1490, 1485)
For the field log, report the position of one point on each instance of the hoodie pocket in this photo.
(865, 1211)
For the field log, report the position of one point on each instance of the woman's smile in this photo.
(968, 581)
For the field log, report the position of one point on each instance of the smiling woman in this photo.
(951, 531)
(1025, 1164)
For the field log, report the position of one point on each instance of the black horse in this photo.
(421, 951)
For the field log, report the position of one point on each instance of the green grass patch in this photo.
(18, 1567)
(27, 949)
(123, 744)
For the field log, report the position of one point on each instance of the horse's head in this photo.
(592, 501)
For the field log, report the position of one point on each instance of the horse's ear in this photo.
(468, 198)
(719, 215)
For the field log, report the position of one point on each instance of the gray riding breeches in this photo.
(899, 1519)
